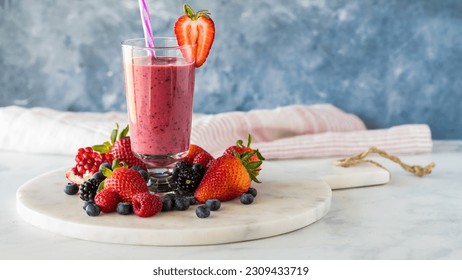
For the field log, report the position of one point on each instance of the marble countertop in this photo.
(408, 218)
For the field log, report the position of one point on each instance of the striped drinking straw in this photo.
(146, 20)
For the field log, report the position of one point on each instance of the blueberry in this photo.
(124, 208)
(167, 203)
(85, 204)
(105, 164)
(99, 176)
(213, 204)
(145, 174)
(136, 167)
(181, 203)
(246, 198)
(169, 196)
(252, 191)
(202, 211)
(92, 209)
(71, 188)
(192, 200)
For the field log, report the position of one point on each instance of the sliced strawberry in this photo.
(196, 29)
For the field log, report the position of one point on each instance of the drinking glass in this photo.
(159, 88)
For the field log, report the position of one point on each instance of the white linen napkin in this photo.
(296, 131)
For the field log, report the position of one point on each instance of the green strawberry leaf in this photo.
(114, 134)
(106, 172)
(246, 156)
(254, 177)
(115, 163)
(124, 132)
(259, 155)
(254, 164)
(100, 186)
(102, 148)
(236, 154)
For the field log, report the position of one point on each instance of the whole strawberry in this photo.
(228, 177)
(126, 182)
(107, 200)
(146, 204)
(193, 152)
(203, 158)
(119, 147)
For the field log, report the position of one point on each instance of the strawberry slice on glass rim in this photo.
(196, 29)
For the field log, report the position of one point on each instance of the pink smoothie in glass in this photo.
(160, 102)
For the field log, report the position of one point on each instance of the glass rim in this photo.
(130, 43)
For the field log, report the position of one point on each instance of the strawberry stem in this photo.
(249, 140)
(189, 12)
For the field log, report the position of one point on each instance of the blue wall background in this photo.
(389, 61)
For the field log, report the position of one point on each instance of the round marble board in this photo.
(288, 199)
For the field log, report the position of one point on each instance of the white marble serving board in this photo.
(293, 194)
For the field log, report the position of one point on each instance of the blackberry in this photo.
(88, 189)
(181, 165)
(199, 168)
(186, 178)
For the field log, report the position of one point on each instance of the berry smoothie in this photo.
(159, 94)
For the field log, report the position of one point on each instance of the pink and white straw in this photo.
(146, 20)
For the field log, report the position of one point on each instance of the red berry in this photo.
(87, 162)
(196, 29)
(203, 158)
(122, 150)
(107, 200)
(146, 204)
(126, 182)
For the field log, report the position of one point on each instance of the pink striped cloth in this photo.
(300, 131)
(297, 131)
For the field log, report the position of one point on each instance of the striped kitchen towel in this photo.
(300, 131)
(296, 131)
